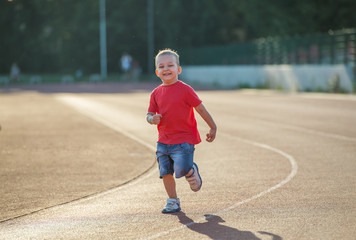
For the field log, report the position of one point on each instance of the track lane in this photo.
(247, 227)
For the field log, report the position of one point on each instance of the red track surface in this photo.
(80, 165)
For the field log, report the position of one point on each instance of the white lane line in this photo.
(294, 170)
(298, 128)
(292, 161)
(328, 96)
(102, 114)
(306, 130)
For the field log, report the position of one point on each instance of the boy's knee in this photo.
(190, 172)
(182, 172)
(167, 176)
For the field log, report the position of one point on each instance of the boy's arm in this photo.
(153, 118)
(209, 120)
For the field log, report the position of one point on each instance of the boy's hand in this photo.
(211, 135)
(155, 119)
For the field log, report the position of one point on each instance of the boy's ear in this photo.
(157, 73)
(179, 70)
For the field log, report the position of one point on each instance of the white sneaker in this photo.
(194, 179)
(172, 206)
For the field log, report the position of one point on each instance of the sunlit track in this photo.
(253, 118)
(311, 131)
(97, 111)
(102, 114)
(80, 106)
(300, 129)
(293, 172)
(302, 176)
(294, 168)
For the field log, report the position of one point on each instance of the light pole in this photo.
(103, 64)
(150, 37)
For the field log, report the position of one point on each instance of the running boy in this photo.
(171, 109)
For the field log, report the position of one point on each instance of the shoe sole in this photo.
(201, 181)
(173, 211)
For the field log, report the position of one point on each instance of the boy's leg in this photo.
(173, 203)
(182, 156)
(194, 179)
(184, 165)
(170, 185)
(166, 173)
(190, 172)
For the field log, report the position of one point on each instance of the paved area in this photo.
(80, 164)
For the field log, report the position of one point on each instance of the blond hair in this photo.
(167, 51)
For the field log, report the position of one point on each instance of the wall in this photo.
(288, 77)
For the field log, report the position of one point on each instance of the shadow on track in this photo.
(215, 230)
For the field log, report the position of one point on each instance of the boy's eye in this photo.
(169, 65)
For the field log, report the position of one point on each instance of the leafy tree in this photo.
(60, 36)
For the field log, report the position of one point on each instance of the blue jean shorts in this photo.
(175, 158)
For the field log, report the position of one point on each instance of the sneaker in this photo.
(172, 206)
(194, 179)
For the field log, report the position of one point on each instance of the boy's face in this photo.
(167, 69)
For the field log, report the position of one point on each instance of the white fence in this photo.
(288, 77)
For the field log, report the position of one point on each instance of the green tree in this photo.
(60, 36)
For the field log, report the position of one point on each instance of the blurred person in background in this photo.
(15, 72)
(126, 65)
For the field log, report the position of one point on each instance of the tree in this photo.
(62, 36)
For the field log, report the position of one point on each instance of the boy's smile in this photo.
(167, 69)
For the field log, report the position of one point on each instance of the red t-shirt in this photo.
(176, 102)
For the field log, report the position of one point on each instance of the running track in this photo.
(282, 167)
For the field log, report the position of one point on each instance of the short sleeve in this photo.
(192, 98)
(153, 104)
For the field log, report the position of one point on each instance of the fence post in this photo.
(308, 49)
(346, 48)
(297, 46)
(332, 49)
(320, 44)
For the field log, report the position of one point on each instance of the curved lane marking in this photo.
(294, 170)
(86, 107)
(306, 130)
(90, 108)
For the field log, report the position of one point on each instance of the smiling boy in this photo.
(171, 108)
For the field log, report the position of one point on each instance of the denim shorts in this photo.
(175, 158)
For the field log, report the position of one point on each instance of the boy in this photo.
(171, 109)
